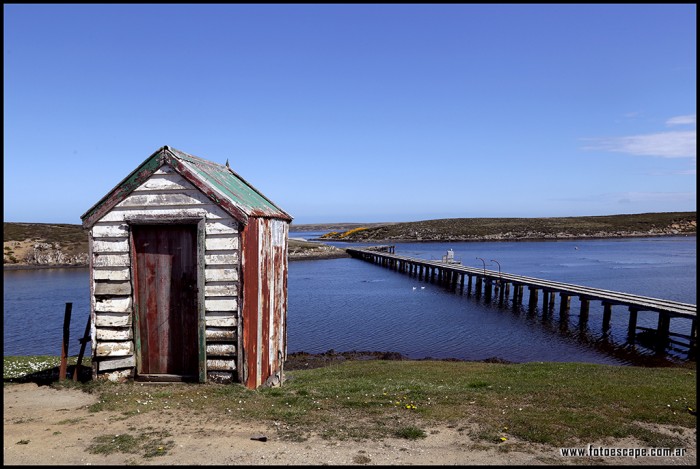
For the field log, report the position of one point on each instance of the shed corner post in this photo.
(201, 310)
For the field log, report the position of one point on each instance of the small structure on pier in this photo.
(188, 276)
(449, 258)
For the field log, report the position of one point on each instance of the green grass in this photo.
(40, 368)
(552, 403)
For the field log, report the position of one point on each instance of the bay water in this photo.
(347, 304)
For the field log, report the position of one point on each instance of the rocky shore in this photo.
(32, 255)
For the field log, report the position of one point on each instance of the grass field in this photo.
(549, 403)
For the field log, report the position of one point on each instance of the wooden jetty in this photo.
(494, 285)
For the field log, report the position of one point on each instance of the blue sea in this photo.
(347, 304)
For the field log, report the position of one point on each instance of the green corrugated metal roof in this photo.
(220, 183)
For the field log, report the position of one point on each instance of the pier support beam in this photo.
(532, 302)
(565, 303)
(607, 313)
(501, 292)
(545, 301)
(662, 330)
(632, 326)
(583, 315)
(489, 289)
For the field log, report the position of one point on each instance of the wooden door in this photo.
(165, 287)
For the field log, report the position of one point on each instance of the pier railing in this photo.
(492, 284)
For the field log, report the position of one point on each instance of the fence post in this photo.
(64, 348)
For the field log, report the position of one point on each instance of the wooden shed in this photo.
(188, 276)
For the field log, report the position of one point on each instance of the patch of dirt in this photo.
(47, 426)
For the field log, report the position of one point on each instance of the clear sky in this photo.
(358, 113)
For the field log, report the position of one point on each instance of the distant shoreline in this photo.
(496, 239)
(343, 254)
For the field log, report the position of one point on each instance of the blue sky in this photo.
(358, 113)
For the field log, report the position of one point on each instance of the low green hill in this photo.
(473, 229)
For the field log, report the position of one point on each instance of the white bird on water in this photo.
(414, 288)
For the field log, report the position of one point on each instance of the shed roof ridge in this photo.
(243, 197)
(175, 151)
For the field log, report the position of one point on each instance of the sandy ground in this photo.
(42, 425)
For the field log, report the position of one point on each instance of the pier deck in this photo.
(498, 284)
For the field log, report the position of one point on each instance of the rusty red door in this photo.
(165, 273)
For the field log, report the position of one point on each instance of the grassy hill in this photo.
(64, 244)
(471, 229)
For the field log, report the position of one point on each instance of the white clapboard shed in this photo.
(188, 276)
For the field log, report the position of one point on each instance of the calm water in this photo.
(347, 304)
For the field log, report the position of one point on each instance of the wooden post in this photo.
(551, 302)
(478, 286)
(607, 313)
(545, 300)
(583, 315)
(632, 326)
(469, 285)
(662, 331)
(532, 302)
(565, 303)
(83, 343)
(487, 288)
(461, 282)
(66, 338)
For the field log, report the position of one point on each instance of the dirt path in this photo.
(42, 425)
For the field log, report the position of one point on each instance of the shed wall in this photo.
(165, 196)
(264, 301)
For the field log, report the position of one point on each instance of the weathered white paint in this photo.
(169, 182)
(111, 245)
(110, 230)
(111, 260)
(114, 334)
(221, 259)
(199, 211)
(221, 365)
(120, 375)
(221, 350)
(220, 321)
(221, 289)
(219, 243)
(107, 364)
(227, 274)
(114, 349)
(165, 169)
(216, 227)
(220, 304)
(220, 376)
(113, 305)
(220, 334)
(111, 273)
(185, 197)
(118, 288)
(112, 320)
